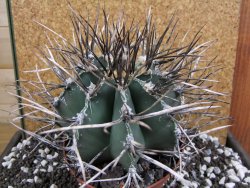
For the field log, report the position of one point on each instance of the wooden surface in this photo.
(5, 48)
(6, 132)
(240, 105)
(6, 79)
(220, 18)
(7, 102)
(3, 13)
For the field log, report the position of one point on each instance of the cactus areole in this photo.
(125, 91)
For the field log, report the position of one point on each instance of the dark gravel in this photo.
(29, 168)
(215, 166)
(39, 165)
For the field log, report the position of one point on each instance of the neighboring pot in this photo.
(233, 143)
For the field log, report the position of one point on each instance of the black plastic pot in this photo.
(231, 143)
(13, 142)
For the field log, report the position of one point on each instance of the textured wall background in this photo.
(220, 18)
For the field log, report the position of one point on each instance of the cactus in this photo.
(125, 91)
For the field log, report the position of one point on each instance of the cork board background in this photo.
(220, 18)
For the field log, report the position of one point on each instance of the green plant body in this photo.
(109, 105)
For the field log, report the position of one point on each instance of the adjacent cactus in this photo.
(125, 90)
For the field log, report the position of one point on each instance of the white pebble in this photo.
(215, 157)
(30, 180)
(217, 170)
(230, 185)
(247, 180)
(227, 153)
(24, 156)
(47, 150)
(55, 163)
(231, 172)
(35, 171)
(222, 181)
(209, 182)
(220, 151)
(9, 166)
(50, 168)
(35, 161)
(19, 146)
(8, 157)
(207, 159)
(210, 170)
(37, 179)
(42, 152)
(13, 149)
(26, 142)
(25, 169)
(234, 178)
(49, 157)
(212, 176)
(55, 155)
(194, 184)
(42, 170)
(236, 155)
(43, 163)
(241, 174)
(6, 163)
(208, 152)
(236, 164)
(9, 186)
(53, 186)
(203, 137)
(204, 167)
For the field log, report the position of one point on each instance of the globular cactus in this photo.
(125, 91)
(109, 104)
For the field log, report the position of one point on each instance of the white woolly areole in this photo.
(69, 81)
(56, 100)
(149, 86)
(126, 108)
(80, 117)
(91, 88)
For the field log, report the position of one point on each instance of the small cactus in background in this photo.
(126, 92)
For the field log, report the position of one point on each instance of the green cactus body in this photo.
(73, 103)
(124, 131)
(162, 134)
(109, 105)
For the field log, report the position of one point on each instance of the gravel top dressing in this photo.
(34, 164)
